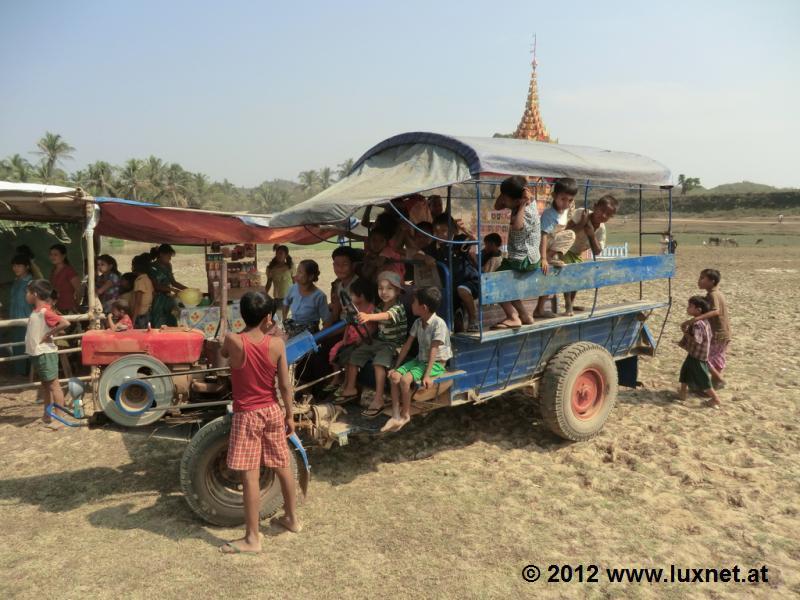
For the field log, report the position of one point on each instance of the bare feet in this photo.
(713, 403)
(292, 525)
(241, 546)
(395, 424)
(719, 384)
(544, 315)
(401, 423)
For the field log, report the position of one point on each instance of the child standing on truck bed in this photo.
(433, 337)
(43, 325)
(590, 234)
(524, 239)
(696, 341)
(259, 428)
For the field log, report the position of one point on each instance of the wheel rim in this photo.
(588, 394)
(225, 485)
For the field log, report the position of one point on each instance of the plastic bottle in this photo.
(77, 408)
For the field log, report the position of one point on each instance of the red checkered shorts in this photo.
(258, 437)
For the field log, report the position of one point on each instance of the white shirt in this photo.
(39, 323)
(582, 244)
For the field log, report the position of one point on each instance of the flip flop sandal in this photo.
(345, 399)
(371, 413)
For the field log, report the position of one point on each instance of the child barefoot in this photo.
(43, 325)
(524, 241)
(696, 341)
(119, 319)
(717, 317)
(392, 327)
(259, 427)
(431, 332)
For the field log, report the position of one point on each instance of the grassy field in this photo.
(460, 501)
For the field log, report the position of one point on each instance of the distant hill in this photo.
(744, 187)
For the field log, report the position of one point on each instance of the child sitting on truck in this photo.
(433, 338)
(119, 318)
(524, 241)
(590, 234)
(392, 326)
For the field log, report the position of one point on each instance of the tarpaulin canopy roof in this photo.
(144, 222)
(420, 161)
(150, 223)
(39, 202)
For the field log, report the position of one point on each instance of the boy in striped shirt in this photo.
(382, 349)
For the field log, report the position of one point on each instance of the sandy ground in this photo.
(459, 502)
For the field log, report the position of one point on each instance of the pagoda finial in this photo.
(531, 126)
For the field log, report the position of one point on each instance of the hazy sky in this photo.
(258, 90)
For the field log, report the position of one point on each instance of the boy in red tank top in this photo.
(260, 427)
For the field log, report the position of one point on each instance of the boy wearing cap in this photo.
(430, 330)
(382, 349)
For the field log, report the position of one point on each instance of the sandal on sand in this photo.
(371, 413)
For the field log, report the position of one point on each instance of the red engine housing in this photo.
(171, 346)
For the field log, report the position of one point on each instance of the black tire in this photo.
(578, 391)
(211, 489)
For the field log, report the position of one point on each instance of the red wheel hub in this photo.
(588, 393)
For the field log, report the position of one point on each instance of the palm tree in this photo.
(309, 180)
(270, 198)
(343, 169)
(154, 171)
(19, 168)
(131, 179)
(99, 180)
(197, 190)
(325, 178)
(53, 149)
(175, 182)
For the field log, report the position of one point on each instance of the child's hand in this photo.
(427, 382)
(545, 266)
(289, 420)
(47, 337)
(362, 317)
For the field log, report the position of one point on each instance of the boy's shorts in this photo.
(417, 369)
(47, 366)
(695, 374)
(258, 438)
(521, 266)
(571, 258)
(379, 352)
(473, 287)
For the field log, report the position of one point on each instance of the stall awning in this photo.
(40, 202)
(420, 161)
(150, 223)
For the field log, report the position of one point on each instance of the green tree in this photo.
(197, 190)
(309, 181)
(343, 168)
(325, 177)
(175, 184)
(132, 179)
(19, 168)
(98, 179)
(687, 184)
(154, 173)
(270, 198)
(53, 149)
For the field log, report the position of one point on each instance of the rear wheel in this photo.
(579, 390)
(212, 490)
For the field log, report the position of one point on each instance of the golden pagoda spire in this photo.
(531, 126)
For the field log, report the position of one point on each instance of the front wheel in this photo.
(579, 390)
(212, 490)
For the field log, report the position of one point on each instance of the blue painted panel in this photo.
(501, 286)
(494, 364)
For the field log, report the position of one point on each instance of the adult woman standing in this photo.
(161, 313)
(64, 279)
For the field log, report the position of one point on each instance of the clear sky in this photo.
(257, 90)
